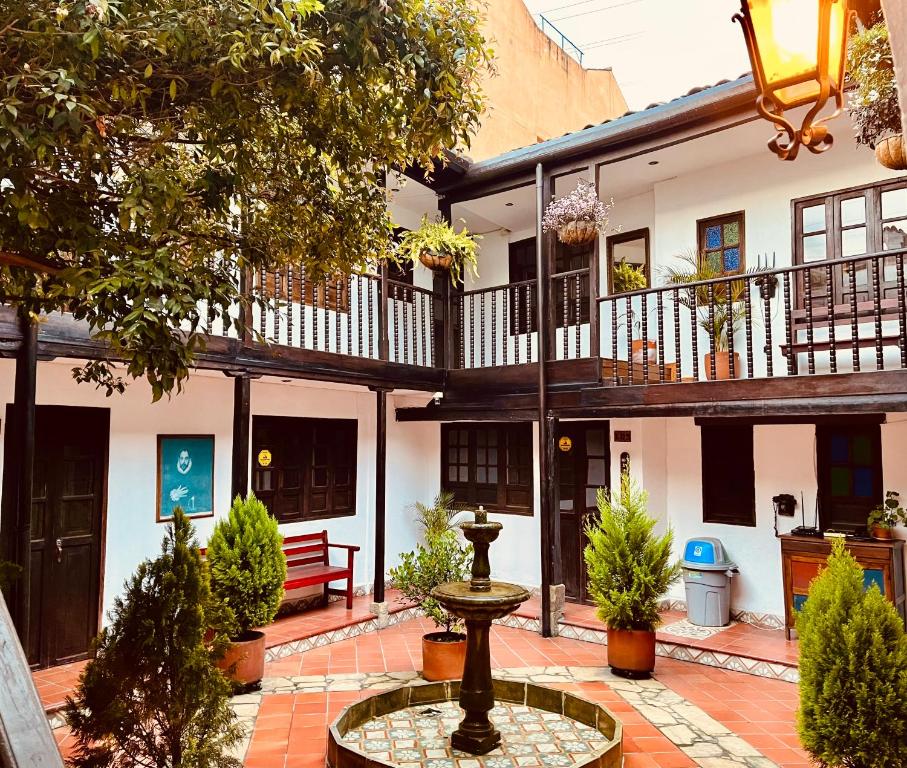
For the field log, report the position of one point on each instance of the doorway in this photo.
(68, 503)
(584, 461)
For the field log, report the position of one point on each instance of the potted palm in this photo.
(873, 104)
(438, 246)
(719, 315)
(441, 559)
(886, 516)
(248, 570)
(629, 570)
(578, 216)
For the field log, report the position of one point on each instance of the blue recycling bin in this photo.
(707, 574)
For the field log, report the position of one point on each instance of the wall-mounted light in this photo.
(437, 397)
(797, 50)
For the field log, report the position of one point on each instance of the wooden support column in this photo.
(594, 279)
(380, 492)
(242, 400)
(17, 477)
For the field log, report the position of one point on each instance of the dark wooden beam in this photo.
(380, 492)
(242, 401)
(840, 419)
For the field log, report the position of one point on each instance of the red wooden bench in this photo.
(308, 563)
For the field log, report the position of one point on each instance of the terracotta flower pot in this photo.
(577, 233)
(244, 661)
(880, 532)
(435, 261)
(722, 366)
(631, 652)
(892, 153)
(443, 655)
(636, 348)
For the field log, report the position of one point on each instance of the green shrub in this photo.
(853, 671)
(441, 560)
(152, 695)
(629, 567)
(873, 104)
(248, 567)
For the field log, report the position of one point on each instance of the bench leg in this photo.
(349, 593)
(327, 594)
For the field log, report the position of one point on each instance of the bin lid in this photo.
(706, 554)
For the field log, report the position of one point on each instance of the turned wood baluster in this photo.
(290, 305)
(516, 316)
(338, 306)
(713, 342)
(645, 337)
(482, 329)
(529, 323)
(565, 312)
(769, 348)
(315, 295)
(277, 288)
(614, 373)
(902, 311)
(326, 300)
(579, 280)
(631, 373)
(748, 308)
(494, 327)
(302, 303)
(263, 307)
(349, 314)
(406, 325)
(370, 283)
(808, 296)
(729, 328)
(461, 336)
(788, 328)
(431, 330)
(396, 305)
(421, 314)
(830, 319)
(854, 327)
(505, 300)
(660, 331)
(472, 330)
(678, 349)
(694, 336)
(877, 314)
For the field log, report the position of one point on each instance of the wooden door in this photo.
(583, 467)
(66, 528)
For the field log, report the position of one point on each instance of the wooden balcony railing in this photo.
(838, 316)
(495, 326)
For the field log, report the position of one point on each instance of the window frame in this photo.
(343, 441)
(467, 493)
(720, 438)
(628, 237)
(702, 226)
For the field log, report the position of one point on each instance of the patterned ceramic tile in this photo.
(530, 737)
(685, 628)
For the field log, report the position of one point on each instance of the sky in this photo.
(658, 49)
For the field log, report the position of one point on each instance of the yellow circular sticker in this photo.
(264, 458)
(565, 444)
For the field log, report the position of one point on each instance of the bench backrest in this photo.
(306, 549)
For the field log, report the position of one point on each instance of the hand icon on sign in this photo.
(178, 493)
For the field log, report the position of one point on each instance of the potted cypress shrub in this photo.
(248, 570)
(873, 104)
(441, 559)
(629, 570)
(886, 516)
(853, 670)
(152, 695)
(578, 216)
(438, 246)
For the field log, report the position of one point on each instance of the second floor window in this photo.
(721, 243)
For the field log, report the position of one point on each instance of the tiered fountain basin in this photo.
(410, 727)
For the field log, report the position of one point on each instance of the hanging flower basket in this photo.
(578, 216)
(577, 233)
(890, 152)
(435, 261)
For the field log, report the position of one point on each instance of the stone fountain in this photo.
(416, 724)
(478, 602)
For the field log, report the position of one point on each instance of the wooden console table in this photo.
(803, 556)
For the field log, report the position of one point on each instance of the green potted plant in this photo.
(438, 246)
(886, 516)
(441, 559)
(152, 696)
(629, 569)
(578, 216)
(873, 104)
(248, 570)
(729, 308)
(853, 670)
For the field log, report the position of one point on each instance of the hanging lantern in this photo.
(798, 51)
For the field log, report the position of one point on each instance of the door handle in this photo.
(59, 550)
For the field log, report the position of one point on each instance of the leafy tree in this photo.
(853, 671)
(152, 696)
(629, 567)
(152, 151)
(248, 567)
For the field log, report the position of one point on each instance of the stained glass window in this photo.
(721, 243)
(850, 474)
